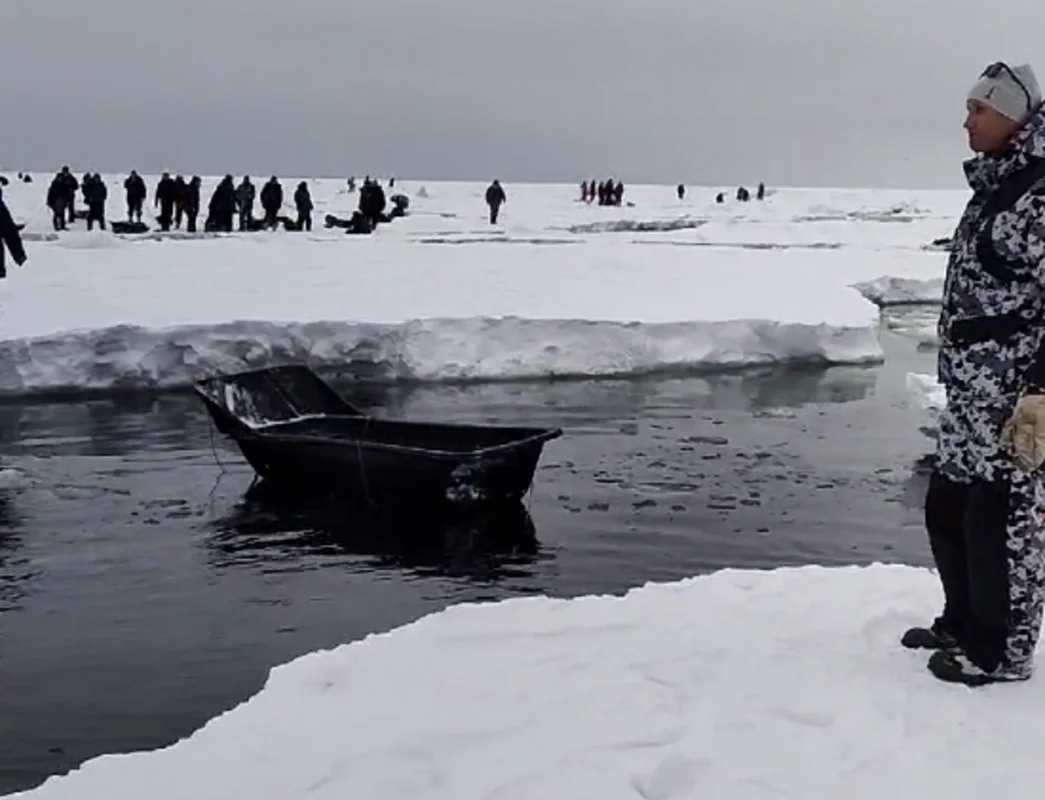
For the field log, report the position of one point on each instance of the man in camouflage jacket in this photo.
(985, 507)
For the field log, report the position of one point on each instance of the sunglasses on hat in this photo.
(999, 68)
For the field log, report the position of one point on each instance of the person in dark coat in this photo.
(680, 190)
(69, 186)
(134, 187)
(95, 195)
(272, 201)
(245, 197)
(222, 206)
(303, 203)
(495, 198)
(57, 201)
(191, 203)
(84, 185)
(10, 238)
(164, 200)
(179, 200)
(372, 201)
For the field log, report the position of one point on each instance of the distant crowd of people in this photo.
(232, 206)
(178, 201)
(608, 192)
(743, 195)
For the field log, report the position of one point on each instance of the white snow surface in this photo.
(741, 684)
(559, 289)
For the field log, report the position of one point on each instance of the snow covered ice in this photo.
(742, 685)
(893, 291)
(560, 289)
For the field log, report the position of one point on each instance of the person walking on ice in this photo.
(495, 198)
(985, 505)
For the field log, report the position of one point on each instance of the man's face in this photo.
(988, 130)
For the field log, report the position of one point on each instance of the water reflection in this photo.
(744, 390)
(916, 485)
(15, 571)
(130, 424)
(273, 530)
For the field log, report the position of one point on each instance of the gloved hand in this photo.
(1023, 436)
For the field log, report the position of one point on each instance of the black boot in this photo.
(953, 666)
(934, 637)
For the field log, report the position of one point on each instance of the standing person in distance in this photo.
(985, 507)
(495, 198)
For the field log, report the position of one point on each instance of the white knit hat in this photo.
(1011, 91)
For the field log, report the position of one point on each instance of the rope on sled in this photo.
(214, 446)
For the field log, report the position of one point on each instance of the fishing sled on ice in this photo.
(298, 432)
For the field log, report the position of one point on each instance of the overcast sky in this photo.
(796, 92)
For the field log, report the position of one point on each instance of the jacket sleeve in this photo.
(10, 235)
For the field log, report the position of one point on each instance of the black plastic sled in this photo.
(122, 227)
(298, 432)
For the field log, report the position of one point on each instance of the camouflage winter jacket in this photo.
(992, 325)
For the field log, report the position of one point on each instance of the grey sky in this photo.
(798, 92)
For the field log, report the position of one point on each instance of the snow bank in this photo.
(740, 684)
(162, 315)
(434, 350)
(898, 291)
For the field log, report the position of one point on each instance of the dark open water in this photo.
(141, 594)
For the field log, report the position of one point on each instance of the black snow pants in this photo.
(95, 213)
(983, 537)
(166, 215)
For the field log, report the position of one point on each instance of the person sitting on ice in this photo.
(10, 238)
(985, 504)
